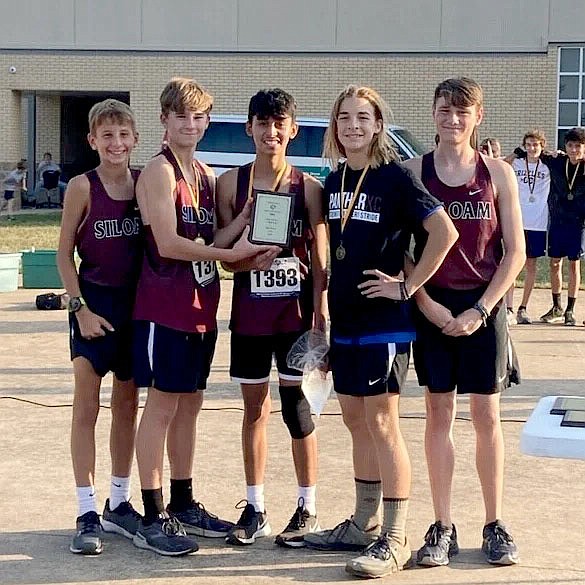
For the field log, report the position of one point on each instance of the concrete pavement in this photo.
(544, 498)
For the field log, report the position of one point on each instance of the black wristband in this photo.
(404, 296)
(482, 311)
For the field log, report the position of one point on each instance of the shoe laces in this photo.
(380, 548)
(202, 511)
(248, 512)
(434, 534)
(127, 508)
(89, 523)
(500, 535)
(298, 519)
(172, 527)
(339, 531)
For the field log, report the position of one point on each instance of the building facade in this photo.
(58, 58)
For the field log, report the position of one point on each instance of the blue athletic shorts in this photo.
(369, 370)
(171, 360)
(113, 351)
(565, 240)
(8, 195)
(535, 243)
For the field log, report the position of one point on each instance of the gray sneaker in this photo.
(300, 525)
(570, 320)
(553, 315)
(382, 557)
(522, 317)
(165, 536)
(123, 520)
(345, 536)
(87, 539)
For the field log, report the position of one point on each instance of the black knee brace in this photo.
(296, 411)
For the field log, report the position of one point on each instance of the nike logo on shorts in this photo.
(372, 382)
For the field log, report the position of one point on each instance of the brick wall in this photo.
(520, 89)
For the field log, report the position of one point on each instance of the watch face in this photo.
(75, 304)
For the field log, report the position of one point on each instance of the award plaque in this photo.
(272, 218)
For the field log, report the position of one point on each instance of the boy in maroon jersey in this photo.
(101, 219)
(269, 314)
(175, 317)
(462, 336)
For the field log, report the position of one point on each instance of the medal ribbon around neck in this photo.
(346, 213)
(193, 192)
(572, 181)
(531, 184)
(276, 183)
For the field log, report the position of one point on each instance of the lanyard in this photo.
(346, 213)
(276, 183)
(572, 181)
(531, 184)
(193, 192)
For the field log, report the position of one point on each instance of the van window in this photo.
(308, 142)
(227, 137)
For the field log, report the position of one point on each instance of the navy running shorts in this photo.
(477, 363)
(251, 357)
(369, 370)
(565, 240)
(113, 351)
(170, 360)
(535, 243)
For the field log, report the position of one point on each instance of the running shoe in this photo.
(249, 527)
(498, 545)
(553, 315)
(165, 536)
(382, 557)
(198, 521)
(87, 539)
(345, 536)
(440, 545)
(570, 319)
(123, 520)
(301, 524)
(522, 317)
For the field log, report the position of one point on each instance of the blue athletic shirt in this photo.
(392, 203)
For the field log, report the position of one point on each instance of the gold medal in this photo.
(340, 252)
(200, 240)
(571, 182)
(531, 199)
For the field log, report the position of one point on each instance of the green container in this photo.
(9, 272)
(39, 269)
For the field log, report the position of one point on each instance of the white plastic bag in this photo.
(309, 354)
(317, 387)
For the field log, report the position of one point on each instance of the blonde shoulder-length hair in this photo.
(381, 150)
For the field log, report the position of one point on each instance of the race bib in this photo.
(282, 279)
(204, 271)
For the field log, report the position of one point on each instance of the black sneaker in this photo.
(498, 545)
(553, 315)
(570, 320)
(165, 536)
(440, 545)
(250, 526)
(87, 539)
(122, 520)
(197, 520)
(300, 524)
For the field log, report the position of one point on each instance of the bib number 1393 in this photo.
(282, 279)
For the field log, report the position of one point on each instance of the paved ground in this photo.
(543, 500)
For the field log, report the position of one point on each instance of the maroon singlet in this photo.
(109, 241)
(168, 293)
(266, 316)
(476, 255)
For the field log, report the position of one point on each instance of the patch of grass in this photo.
(41, 230)
(27, 230)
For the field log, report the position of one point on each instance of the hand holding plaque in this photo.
(272, 218)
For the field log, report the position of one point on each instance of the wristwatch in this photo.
(75, 304)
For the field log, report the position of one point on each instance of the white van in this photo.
(226, 145)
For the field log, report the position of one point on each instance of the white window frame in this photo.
(580, 98)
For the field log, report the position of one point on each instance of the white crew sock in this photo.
(255, 496)
(119, 491)
(309, 495)
(86, 500)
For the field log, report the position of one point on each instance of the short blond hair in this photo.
(111, 110)
(181, 94)
(381, 150)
